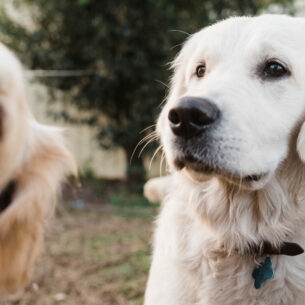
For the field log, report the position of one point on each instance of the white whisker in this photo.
(154, 155)
(180, 31)
(161, 162)
(146, 144)
(148, 138)
(160, 82)
(153, 126)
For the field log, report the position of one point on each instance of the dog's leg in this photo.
(156, 189)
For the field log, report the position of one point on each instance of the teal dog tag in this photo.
(263, 272)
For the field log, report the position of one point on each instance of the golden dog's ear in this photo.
(33, 163)
(301, 143)
(22, 223)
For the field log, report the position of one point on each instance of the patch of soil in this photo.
(91, 255)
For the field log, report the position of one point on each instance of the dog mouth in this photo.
(198, 167)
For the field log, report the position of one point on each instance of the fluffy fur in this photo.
(34, 158)
(156, 188)
(209, 218)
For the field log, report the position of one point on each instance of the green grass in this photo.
(132, 205)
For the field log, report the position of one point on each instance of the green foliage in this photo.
(124, 44)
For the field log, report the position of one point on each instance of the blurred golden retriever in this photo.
(33, 161)
(231, 228)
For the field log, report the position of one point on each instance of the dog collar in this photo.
(265, 270)
(285, 248)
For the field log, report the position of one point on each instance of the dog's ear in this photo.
(301, 143)
(44, 165)
(33, 163)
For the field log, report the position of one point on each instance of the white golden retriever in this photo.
(232, 226)
(33, 161)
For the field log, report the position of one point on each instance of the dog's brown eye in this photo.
(274, 69)
(200, 70)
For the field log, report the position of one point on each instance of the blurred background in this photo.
(100, 68)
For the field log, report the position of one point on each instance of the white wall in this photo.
(81, 139)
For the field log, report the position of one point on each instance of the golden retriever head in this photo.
(33, 161)
(237, 97)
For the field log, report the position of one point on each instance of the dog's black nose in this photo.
(192, 116)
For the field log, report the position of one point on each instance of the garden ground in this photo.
(97, 250)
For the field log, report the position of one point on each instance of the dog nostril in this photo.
(200, 119)
(173, 117)
(192, 116)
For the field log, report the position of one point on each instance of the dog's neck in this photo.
(241, 218)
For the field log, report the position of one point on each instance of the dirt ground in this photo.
(94, 254)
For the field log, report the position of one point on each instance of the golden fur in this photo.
(35, 158)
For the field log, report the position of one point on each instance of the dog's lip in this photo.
(198, 166)
(191, 163)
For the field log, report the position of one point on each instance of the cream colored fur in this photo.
(155, 189)
(35, 157)
(208, 220)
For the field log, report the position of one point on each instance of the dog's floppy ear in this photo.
(44, 164)
(301, 143)
(33, 163)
